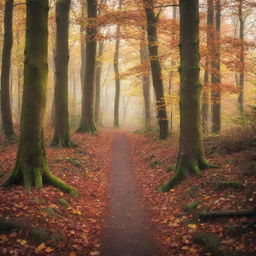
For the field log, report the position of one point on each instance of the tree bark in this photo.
(191, 157)
(216, 76)
(241, 73)
(87, 120)
(156, 68)
(82, 42)
(144, 57)
(98, 81)
(206, 88)
(61, 136)
(6, 66)
(219, 214)
(31, 167)
(116, 69)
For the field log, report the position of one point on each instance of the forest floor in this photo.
(49, 222)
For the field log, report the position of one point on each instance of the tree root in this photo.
(184, 167)
(39, 177)
(218, 214)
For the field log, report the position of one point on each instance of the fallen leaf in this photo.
(94, 253)
(192, 226)
(48, 249)
(22, 242)
(40, 247)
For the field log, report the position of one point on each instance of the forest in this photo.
(128, 127)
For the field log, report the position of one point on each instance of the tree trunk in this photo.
(87, 120)
(61, 136)
(31, 167)
(144, 57)
(241, 75)
(191, 154)
(82, 42)
(116, 69)
(6, 66)
(156, 68)
(98, 81)
(206, 88)
(216, 76)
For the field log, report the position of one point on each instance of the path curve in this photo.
(127, 228)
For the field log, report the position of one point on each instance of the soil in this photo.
(127, 229)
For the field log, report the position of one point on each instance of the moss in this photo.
(51, 212)
(191, 191)
(229, 184)
(76, 162)
(151, 156)
(63, 202)
(189, 208)
(170, 168)
(39, 234)
(155, 163)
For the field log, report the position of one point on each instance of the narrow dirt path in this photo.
(127, 229)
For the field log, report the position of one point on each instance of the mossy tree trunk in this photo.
(206, 89)
(144, 57)
(191, 157)
(216, 76)
(98, 81)
(5, 74)
(61, 136)
(156, 68)
(31, 167)
(87, 120)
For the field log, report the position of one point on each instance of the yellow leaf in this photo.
(95, 253)
(192, 226)
(40, 247)
(22, 242)
(48, 249)
(3, 238)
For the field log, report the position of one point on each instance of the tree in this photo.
(191, 158)
(156, 68)
(205, 103)
(216, 75)
(144, 56)
(31, 167)
(98, 81)
(61, 136)
(87, 120)
(241, 58)
(116, 69)
(6, 66)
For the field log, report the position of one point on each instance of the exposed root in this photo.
(36, 178)
(218, 214)
(184, 167)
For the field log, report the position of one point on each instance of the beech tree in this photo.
(241, 58)
(61, 136)
(144, 57)
(31, 168)
(216, 75)
(116, 69)
(156, 68)
(208, 62)
(191, 158)
(6, 67)
(98, 81)
(87, 120)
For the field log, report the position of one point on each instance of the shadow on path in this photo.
(127, 228)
